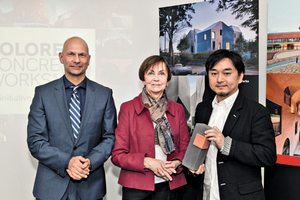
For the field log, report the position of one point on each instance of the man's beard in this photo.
(222, 94)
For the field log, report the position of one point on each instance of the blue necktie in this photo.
(75, 111)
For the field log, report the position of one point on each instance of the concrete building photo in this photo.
(217, 36)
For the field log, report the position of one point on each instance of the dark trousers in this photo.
(194, 188)
(71, 193)
(161, 192)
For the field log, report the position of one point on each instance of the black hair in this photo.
(220, 54)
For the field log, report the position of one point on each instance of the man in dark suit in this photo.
(71, 132)
(242, 137)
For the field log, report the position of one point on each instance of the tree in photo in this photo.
(253, 47)
(184, 44)
(240, 9)
(248, 10)
(172, 20)
(240, 45)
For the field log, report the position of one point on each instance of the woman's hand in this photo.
(159, 167)
(173, 166)
(200, 170)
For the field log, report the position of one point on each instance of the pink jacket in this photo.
(135, 140)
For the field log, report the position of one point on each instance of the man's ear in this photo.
(89, 60)
(241, 76)
(61, 58)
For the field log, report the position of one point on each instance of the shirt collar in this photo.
(228, 101)
(68, 84)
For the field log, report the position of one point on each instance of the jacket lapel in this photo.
(207, 112)
(88, 106)
(233, 115)
(204, 112)
(60, 96)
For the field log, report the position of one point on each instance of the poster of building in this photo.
(283, 75)
(189, 33)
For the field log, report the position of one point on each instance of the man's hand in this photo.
(78, 168)
(200, 170)
(215, 135)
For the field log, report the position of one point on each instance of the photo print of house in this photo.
(189, 33)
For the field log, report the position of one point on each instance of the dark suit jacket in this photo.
(253, 146)
(51, 141)
(135, 140)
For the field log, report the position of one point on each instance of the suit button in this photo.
(74, 148)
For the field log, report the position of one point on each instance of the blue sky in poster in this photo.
(283, 16)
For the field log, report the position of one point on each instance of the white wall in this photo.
(114, 64)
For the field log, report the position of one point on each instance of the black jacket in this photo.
(253, 146)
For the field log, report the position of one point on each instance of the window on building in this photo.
(287, 96)
(220, 31)
(204, 37)
(227, 45)
(277, 46)
(234, 35)
(269, 47)
(286, 147)
(219, 45)
(214, 45)
(279, 40)
(195, 38)
(213, 35)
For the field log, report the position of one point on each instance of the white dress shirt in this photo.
(218, 118)
(160, 155)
